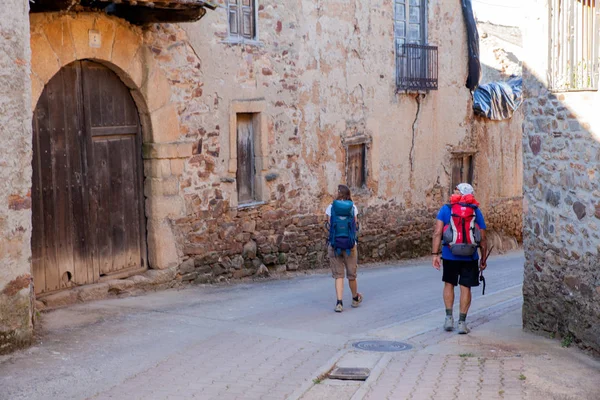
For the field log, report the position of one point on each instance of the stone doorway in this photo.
(87, 197)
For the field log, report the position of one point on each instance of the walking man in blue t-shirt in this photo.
(458, 270)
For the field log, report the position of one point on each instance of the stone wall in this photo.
(15, 176)
(322, 75)
(561, 143)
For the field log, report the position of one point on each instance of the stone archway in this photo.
(59, 39)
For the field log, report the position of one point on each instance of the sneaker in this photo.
(462, 327)
(339, 308)
(356, 303)
(449, 323)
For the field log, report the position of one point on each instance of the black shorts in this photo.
(468, 271)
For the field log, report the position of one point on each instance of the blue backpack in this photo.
(342, 226)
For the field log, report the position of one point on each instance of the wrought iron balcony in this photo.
(417, 67)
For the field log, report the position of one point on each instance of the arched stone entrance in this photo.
(88, 219)
(60, 39)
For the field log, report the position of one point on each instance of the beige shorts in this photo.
(343, 263)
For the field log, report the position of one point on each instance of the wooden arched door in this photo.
(88, 220)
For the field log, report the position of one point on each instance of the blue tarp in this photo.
(498, 100)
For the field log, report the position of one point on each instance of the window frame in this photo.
(416, 61)
(458, 162)
(256, 107)
(358, 140)
(560, 62)
(239, 36)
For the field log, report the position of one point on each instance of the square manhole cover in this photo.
(350, 374)
(382, 345)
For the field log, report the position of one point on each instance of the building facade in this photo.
(209, 150)
(561, 142)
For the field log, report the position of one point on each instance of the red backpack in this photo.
(462, 234)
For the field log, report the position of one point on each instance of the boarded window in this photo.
(246, 160)
(462, 170)
(574, 40)
(242, 19)
(357, 172)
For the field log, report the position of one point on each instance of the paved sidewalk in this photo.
(497, 360)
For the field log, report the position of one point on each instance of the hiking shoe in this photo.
(339, 308)
(462, 327)
(449, 323)
(356, 303)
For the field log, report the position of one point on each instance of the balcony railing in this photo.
(417, 67)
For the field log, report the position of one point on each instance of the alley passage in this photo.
(258, 340)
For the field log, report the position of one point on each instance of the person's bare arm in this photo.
(483, 250)
(436, 244)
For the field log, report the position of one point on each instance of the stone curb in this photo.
(150, 280)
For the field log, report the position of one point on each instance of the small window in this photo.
(357, 172)
(242, 19)
(246, 159)
(574, 45)
(462, 170)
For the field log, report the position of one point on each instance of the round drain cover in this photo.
(382, 345)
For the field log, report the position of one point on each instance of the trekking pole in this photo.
(481, 277)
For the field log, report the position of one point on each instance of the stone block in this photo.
(242, 273)
(262, 271)
(128, 40)
(292, 267)
(162, 251)
(140, 281)
(39, 305)
(189, 276)
(160, 150)
(165, 124)
(161, 276)
(205, 278)
(249, 250)
(177, 166)
(81, 26)
(37, 87)
(136, 76)
(187, 266)
(44, 63)
(120, 286)
(160, 207)
(93, 292)
(161, 187)
(157, 168)
(60, 299)
(59, 36)
(156, 91)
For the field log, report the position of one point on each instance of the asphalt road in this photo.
(252, 340)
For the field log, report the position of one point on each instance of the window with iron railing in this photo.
(416, 61)
(574, 32)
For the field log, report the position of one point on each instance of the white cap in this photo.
(465, 188)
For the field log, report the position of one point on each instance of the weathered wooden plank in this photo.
(53, 120)
(37, 237)
(78, 184)
(245, 159)
(103, 227)
(139, 185)
(130, 203)
(117, 217)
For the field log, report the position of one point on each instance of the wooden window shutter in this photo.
(248, 19)
(456, 173)
(234, 17)
(356, 165)
(246, 168)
